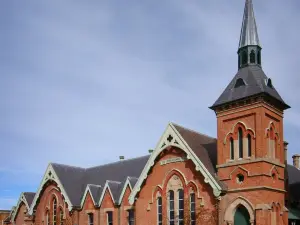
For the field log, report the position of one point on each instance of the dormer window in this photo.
(239, 82)
(269, 83)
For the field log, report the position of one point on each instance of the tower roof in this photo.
(249, 81)
(249, 35)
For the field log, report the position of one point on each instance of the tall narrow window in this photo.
(91, 218)
(244, 58)
(258, 58)
(171, 208)
(240, 135)
(249, 145)
(47, 218)
(130, 217)
(109, 218)
(231, 149)
(159, 211)
(252, 57)
(61, 216)
(192, 209)
(54, 211)
(180, 207)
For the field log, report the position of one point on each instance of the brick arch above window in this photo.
(173, 174)
(234, 131)
(272, 132)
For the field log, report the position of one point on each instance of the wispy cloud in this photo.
(84, 82)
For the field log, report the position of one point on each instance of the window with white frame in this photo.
(193, 208)
(47, 218)
(61, 216)
(180, 207)
(54, 211)
(90, 219)
(171, 208)
(131, 217)
(109, 218)
(159, 211)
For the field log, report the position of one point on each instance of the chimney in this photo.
(296, 161)
(150, 151)
(285, 144)
(121, 157)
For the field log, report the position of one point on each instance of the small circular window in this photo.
(240, 178)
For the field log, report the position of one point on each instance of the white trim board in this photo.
(171, 137)
(88, 190)
(50, 174)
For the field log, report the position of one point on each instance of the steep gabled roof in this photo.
(256, 83)
(29, 197)
(25, 198)
(294, 182)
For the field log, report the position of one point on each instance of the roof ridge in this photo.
(116, 162)
(191, 130)
(65, 165)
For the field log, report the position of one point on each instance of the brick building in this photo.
(240, 177)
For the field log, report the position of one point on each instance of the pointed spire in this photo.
(249, 35)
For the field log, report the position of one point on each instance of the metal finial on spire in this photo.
(249, 35)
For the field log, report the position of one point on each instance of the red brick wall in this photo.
(20, 217)
(108, 205)
(124, 207)
(146, 205)
(45, 203)
(88, 207)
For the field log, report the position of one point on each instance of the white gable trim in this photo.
(50, 175)
(171, 137)
(88, 190)
(106, 186)
(127, 183)
(21, 199)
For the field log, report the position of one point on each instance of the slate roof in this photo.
(76, 179)
(255, 83)
(29, 196)
(294, 182)
(116, 189)
(96, 192)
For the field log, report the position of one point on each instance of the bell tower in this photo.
(251, 157)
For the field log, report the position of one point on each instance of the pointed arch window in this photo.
(171, 208)
(180, 207)
(252, 56)
(240, 140)
(249, 145)
(231, 149)
(239, 82)
(159, 211)
(193, 208)
(54, 210)
(258, 58)
(244, 58)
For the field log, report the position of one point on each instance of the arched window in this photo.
(252, 57)
(249, 145)
(171, 208)
(180, 207)
(54, 211)
(231, 149)
(258, 58)
(159, 211)
(241, 216)
(244, 58)
(240, 139)
(239, 82)
(193, 208)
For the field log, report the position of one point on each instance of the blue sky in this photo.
(83, 82)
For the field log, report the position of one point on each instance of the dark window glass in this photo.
(239, 82)
(259, 57)
(171, 208)
(192, 208)
(240, 133)
(180, 206)
(110, 218)
(231, 148)
(244, 58)
(61, 217)
(252, 57)
(131, 217)
(54, 211)
(159, 211)
(91, 218)
(249, 145)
